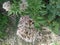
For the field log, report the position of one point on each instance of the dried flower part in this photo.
(26, 29)
(6, 5)
(48, 36)
(30, 34)
(23, 5)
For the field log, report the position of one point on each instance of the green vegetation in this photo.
(3, 25)
(45, 13)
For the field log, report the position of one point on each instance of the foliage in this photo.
(45, 14)
(3, 25)
(54, 15)
(36, 10)
(42, 12)
(14, 8)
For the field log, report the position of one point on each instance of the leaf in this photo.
(56, 27)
